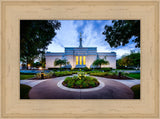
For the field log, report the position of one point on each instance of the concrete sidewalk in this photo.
(112, 90)
(128, 83)
(32, 83)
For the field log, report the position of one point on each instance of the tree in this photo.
(132, 60)
(60, 62)
(100, 62)
(121, 32)
(37, 64)
(35, 36)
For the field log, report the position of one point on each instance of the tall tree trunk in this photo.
(43, 58)
(27, 63)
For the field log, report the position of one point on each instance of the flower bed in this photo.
(80, 81)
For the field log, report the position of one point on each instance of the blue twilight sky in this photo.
(68, 36)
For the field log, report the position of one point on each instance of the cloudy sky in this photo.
(69, 33)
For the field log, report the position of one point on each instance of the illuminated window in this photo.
(76, 60)
(84, 60)
(80, 60)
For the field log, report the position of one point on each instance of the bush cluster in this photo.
(103, 69)
(81, 69)
(63, 73)
(83, 82)
(136, 90)
(53, 74)
(59, 69)
(74, 72)
(24, 90)
(103, 73)
(46, 75)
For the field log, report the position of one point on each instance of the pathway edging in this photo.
(60, 85)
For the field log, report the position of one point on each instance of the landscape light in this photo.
(40, 68)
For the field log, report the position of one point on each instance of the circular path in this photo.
(112, 90)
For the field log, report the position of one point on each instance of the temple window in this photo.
(76, 60)
(80, 60)
(84, 60)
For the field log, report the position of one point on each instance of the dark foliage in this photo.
(24, 91)
(35, 36)
(122, 30)
(129, 61)
(136, 90)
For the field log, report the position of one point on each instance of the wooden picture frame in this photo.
(12, 11)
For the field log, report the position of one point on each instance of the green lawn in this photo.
(134, 75)
(25, 76)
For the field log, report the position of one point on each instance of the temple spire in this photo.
(80, 40)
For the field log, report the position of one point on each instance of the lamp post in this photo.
(29, 66)
(42, 73)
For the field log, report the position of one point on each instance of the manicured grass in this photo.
(24, 91)
(25, 76)
(136, 90)
(134, 75)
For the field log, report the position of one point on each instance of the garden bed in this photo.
(51, 74)
(120, 78)
(112, 75)
(80, 82)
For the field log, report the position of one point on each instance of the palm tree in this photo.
(100, 62)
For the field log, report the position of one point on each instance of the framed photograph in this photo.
(109, 70)
(79, 59)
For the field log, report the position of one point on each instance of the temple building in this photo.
(80, 57)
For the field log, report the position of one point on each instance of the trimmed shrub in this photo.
(99, 74)
(27, 73)
(82, 69)
(49, 75)
(75, 72)
(86, 69)
(106, 69)
(24, 91)
(45, 75)
(63, 73)
(136, 90)
(38, 75)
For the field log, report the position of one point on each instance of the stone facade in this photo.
(80, 57)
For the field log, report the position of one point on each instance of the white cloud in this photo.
(93, 38)
(68, 36)
(55, 47)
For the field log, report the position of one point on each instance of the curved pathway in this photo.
(49, 90)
